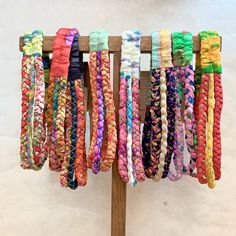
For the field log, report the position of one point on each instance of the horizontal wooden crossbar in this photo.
(114, 44)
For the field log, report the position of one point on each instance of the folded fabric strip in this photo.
(33, 132)
(130, 154)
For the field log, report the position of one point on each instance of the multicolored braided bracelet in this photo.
(182, 54)
(57, 95)
(160, 134)
(130, 157)
(74, 168)
(209, 110)
(33, 132)
(165, 62)
(104, 135)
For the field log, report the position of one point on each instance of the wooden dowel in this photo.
(114, 44)
(118, 197)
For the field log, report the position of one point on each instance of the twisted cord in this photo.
(171, 101)
(163, 88)
(60, 119)
(155, 111)
(93, 85)
(136, 143)
(80, 159)
(146, 139)
(209, 145)
(110, 137)
(201, 129)
(179, 132)
(187, 76)
(96, 163)
(216, 129)
(68, 130)
(122, 151)
(131, 171)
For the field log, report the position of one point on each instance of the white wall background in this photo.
(34, 203)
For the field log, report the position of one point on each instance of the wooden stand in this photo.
(118, 196)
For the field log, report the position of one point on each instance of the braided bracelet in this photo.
(33, 133)
(104, 136)
(130, 157)
(57, 94)
(182, 55)
(209, 110)
(74, 168)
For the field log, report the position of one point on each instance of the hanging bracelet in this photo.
(57, 94)
(33, 133)
(130, 154)
(208, 161)
(104, 135)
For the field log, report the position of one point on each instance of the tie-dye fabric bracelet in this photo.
(209, 110)
(182, 54)
(130, 157)
(104, 135)
(33, 132)
(57, 95)
(74, 167)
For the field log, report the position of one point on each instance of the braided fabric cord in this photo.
(122, 149)
(171, 102)
(218, 91)
(146, 138)
(209, 145)
(155, 111)
(187, 76)
(165, 62)
(93, 85)
(110, 119)
(57, 94)
(179, 132)
(68, 130)
(96, 163)
(33, 133)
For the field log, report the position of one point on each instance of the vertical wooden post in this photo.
(118, 197)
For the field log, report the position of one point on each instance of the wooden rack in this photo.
(118, 196)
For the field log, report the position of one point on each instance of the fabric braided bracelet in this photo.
(104, 135)
(164, 47)
(74, 167)
(209, 110)
(130, 155)
(182, 55)
(33, 132)
(57, 97)
(157, 155)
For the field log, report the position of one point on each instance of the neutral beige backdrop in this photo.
(34, 203)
